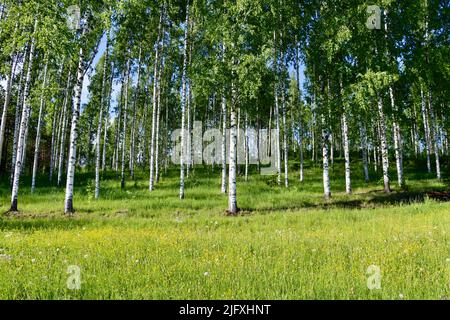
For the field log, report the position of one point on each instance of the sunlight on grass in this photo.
(287, 244)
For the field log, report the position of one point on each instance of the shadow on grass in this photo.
(375, 200)
(40, 222)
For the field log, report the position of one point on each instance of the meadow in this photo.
(284, 244)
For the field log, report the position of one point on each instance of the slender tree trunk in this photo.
(397, 142)
(332, 149)
(53, 144)
(155, 96)
(183, 104)
(224, 142)
(232, 198)
(17, 121)
(362, 131)
(246, 147)
(62, 146)
(68, 203)
(277, 112)
(158, 118)
(9, 80)
(415, 132)
(105, 131)
(158, 112)
(426, 130)
(125, 120)
(98, 137)
(348, 185)
(384, 147)
(325, 156)
(285, 127)
(115, 163)
(434, 134)
(300, 125)
(39, 128)
(23, 125)
(133, 125)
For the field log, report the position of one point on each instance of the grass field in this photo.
(286, 244)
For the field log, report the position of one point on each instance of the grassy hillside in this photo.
(286, 244)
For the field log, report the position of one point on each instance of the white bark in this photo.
(277, 115)
(232, 196)
(39, 129)
(105, 131)
(246, 147)
(285, 127)
(155, 97)
(17, 121)
(62, 141)
(158, 118)
(365, 157)
(384, 146)
(53, 144)
(224, 143)
(426, 127)
(68, 203)
(325, 156)
(158, 113)
(183, 105)
(125, 120)
(348, 185)
(98, 137)
(23, 125)
(9, 80)
(300, 125)
(434, 134)
(397, 142)
(133, 125)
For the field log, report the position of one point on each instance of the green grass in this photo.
(286, 244)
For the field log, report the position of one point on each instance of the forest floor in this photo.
(285, 244)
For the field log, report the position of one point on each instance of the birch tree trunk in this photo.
(99, 126)
(158, 112)
(23, 124)
(158, 117)
(300, 125)
(348, 184)
(9, 80)
(183, 104)
(285, 127)
(68, 203)
(434, 134)
(246, 147)
(39, 128)
(224, 143)
(63, 130)
(426, 127)
(125, 120)
(155, 96)
(277, 114)
(397, 142)
(325, 156)
(133, 125)
(53, 144)
(105, 136)
(17, 121)
(115, 162)
(232, 199)
(384, 146)
(362, 132)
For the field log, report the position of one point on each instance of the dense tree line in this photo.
(377, 95)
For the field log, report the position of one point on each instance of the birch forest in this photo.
(103, 106)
